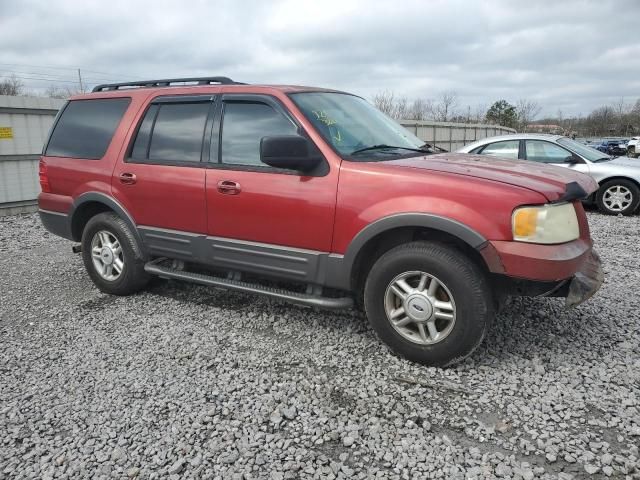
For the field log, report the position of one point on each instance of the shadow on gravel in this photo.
(526, 328)
(540, 327)
(237, 302)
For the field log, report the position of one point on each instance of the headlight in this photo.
(545, 224)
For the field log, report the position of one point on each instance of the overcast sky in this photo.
(564, 54)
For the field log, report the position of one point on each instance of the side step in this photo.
(155, 268)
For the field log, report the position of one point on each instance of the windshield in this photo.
(589, 153)
(353, 126)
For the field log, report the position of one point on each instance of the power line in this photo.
(50, 78)
(100, 73)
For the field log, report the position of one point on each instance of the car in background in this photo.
(633, 150)
(612, 147)
(618, 178)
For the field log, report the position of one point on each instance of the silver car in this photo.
(618, 177)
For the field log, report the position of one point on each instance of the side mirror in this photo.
(573, 159)
(291, 152)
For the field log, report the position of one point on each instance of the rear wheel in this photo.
(428, 303)
(618, 197)
(631, 152)
(109, 255)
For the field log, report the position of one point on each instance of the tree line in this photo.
(447, 108)
(12, 85)
(618, 119)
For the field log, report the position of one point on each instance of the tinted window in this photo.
(507, 149)
(545, 152)
(244, 126)
(86, 127)
(177, 133)
(141, 146)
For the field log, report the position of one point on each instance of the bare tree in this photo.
(526, 111)
(385, 102)
(478, 115)
(401, 110)
(11, 85)
(446, 105)
(420, 109)
(54, 91)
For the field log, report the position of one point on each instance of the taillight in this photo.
(44, 179)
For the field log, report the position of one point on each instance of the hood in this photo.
(548, 180)
(625, 162)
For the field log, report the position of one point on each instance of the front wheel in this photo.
(618, 197)
(631, 152)
(428, 303)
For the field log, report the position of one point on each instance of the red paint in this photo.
(321, 213)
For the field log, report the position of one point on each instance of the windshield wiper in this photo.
(427, 147)
(603, 159)
(387, 147)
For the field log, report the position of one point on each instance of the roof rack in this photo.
(167, 82)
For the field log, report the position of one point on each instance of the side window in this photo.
(171, 132)
(244, 124)
(506, 149)
(86, 127)
(545, 152)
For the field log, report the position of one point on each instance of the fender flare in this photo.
(340, 268)
(114, 205)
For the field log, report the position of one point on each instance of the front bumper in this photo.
(578, 288)
(586, 282)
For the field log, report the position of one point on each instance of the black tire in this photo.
(465, 280)
(631, 152)
(626, 184)
(132, 277)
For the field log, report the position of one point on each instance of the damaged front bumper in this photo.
(576, 289)
(586, 282)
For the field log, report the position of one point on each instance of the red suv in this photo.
(312, 196)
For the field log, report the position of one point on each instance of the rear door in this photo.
(161, 179)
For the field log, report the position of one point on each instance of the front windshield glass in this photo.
(351, 123)
(589, 153)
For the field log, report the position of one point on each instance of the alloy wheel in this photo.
(420, 307)
(617, 198)
(107, 255)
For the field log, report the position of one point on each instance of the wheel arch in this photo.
(619, 177)
(388, 232)
(90, 204)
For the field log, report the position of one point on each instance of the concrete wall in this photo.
(24, 125)
(452, 136)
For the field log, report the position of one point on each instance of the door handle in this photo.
(128, 178)
(229, 187)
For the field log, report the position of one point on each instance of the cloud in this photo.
(573, 55)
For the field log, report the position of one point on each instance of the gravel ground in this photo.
(187, 382)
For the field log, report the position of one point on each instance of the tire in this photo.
(459, 282)
(618, 197)
(631, 152)
(101, 238)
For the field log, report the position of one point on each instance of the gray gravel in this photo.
(187, 382)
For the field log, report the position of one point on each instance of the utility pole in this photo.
(80, 81)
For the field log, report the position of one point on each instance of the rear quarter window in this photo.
(85, 128)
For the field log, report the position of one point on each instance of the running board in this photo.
(155, 268)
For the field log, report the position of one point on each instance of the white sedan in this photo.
(618, 177)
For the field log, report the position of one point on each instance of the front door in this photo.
(547, 152)
(264, 218)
